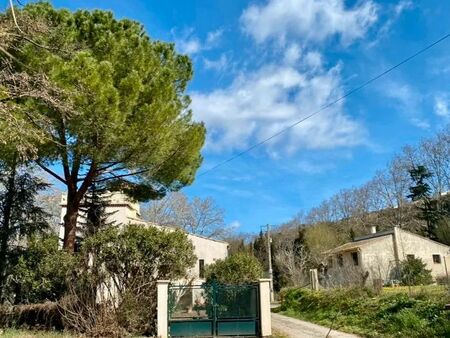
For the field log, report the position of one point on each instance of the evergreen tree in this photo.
(259, 246)
(94, 215)
(442, 228)
(421, 189)
(130, 121)
(420, 193)
(20, 215)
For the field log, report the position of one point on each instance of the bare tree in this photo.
(197, 216)
(50, 202)
(321, 214)
(292, 259)
(434, 154)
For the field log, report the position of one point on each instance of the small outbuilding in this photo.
(376, 256)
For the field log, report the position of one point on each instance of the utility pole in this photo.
(269, 258)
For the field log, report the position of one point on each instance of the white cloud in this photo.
(188, 43)
(190, 46)
(402, 93)
(213, 37)
(420, 123)
(312, 20)
(403, 6)
(234, 225)
(218, 65)
(393, 13)
(292, 54)
(310, 167)
(260, 103)
(407, 100)
(441, 105)
(313, 59)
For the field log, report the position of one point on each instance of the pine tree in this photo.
(130, 119)
(420, 192)
(93, 212)
(421, 189)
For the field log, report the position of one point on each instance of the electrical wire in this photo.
(328, 105)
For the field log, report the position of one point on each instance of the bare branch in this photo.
(55, 175)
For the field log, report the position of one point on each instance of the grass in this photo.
(431, 291)
(13, 333)
(393, 314)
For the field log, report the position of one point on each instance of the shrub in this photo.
(116, 291)
(235, 269)
(442, 280)
(357, 310)
(36, 316)
(40, 272)
(414, 272)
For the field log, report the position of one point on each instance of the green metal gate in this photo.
(213, 310)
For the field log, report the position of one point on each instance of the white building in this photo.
(122, 211)
(379, 253)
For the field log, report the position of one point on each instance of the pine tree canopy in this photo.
(130, 124)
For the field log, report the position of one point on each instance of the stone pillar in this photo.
(264, 304)
(314, 279)
(162, 308)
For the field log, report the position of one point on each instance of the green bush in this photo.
(125, 266)
(236, 269)
(39, 273)
(357, 310)
(414, 272)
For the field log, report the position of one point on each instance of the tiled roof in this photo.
(355, 245)
(377, 234)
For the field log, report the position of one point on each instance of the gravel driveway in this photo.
(295, 328)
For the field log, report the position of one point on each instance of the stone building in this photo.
(376, 256)
(122, 211)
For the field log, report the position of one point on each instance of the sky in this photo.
(262, 65)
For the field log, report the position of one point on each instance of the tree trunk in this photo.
(74, 198)
(70, 221)
(5, 226)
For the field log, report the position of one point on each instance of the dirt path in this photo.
(295, 328)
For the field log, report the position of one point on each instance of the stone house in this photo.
(376, 256)
(122, 211)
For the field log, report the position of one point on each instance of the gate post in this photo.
(264, 307)
(314, 279)
(162, 322)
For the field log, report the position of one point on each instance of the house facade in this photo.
(122, 211)
(376, 256)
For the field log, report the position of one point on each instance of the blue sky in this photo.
(261, 65)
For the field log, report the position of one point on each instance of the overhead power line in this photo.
(328, 105)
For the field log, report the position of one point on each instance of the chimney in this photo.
(373, 229)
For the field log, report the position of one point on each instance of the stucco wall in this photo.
(375, 256)
(378, 257)
(208, 250)
(125, 212)
(420, 247)
(121, 209)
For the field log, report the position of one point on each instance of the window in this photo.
(437, 259)
(409, 257)
(340, 260)
(201, 268)
(355, 258)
